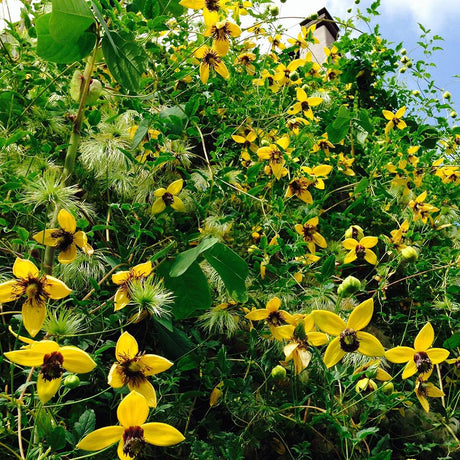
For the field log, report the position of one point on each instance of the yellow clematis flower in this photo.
(304, 104)
(424, 389)
(52, 360)
(296, 124)
(421, 209)
(276, 42)
(309, 231)
(66, 238)
(420, 358)
(398, 237)
(221, 32)
(317, 173)
(245, 60)
(323, 144)
(133, 368)
(212, 9)
(361, 250)
(344, 164)
(348, 336)
(168, 197)
(275, 318)
(37, 289)
(394, 119)
(124, 278)
(373, 367)
(283, 73)
(246, 138)
(133, 432)
(210, 59)
(275, 156)
(299, 188)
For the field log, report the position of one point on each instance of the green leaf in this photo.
(186, 258)
(364, 122)
(231, 268)
(57, 438)
(175, 343)
(125, 59)
(62, 53)
(191, 289)
(85, 425)
(337, 130)
(328, 267)
(69, 20)
(452, 342)
(140, 133)
(362, 185)
(361, 434)
(192, 105)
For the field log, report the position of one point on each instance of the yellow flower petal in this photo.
(423, 401)
(33, 356)
(222, 70)
(437, 355)
(8, 291)
(409, 370)
(400, 354)
(115, 377)
(76, 360)
(322, 170)
(46, 389)
(257, 315)
(370, 257)
(317, 338)
(161, 434)
(175, 187)
(289, 349)
(24, 269)
(178, 204)
(143, 270)
(333, 353)
(56, 289)
(350, 243)
(46, 237)
(424, 338)
(159, 192)
(158, 206)
(319, 240)
(301, 95)
(133, 410)
(68, 255)
(369, 345)
(67, 221)
(126, 348)
(400, 112)
(329, 322)
(433, 392)
(121, 299)
(120, 277)
(154, 364)
(101, 438)
(388, 115)
(314, 101)
(33, 316)
(204, 72)
(80, 239)
(368, 241)
(145, 388)
(284, 332)
(361, 315)
(273, 304)
(350, 257)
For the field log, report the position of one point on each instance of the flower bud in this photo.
(387, 388)
(75, 85)
(447, 95)
(409, 254)
(349, 286)
(416, 92)
(72, 381)
(94, 91)
(273, 10)
(403, 51)
(453, 114)
(355, 231)
(278, 372)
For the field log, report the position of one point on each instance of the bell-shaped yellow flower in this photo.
(317, 173)
(361, 250)
(52, 360)
(37, 289)
(221, 32)
(348, 336)
(394, 119)
(299, 188)
(309, 231)
(210, 59)
(65, 239)
(133, 368)
(133, 433)
(421, 209)
(168, 197)
(124, 278)
(424, 389)
(421, 358)
(275, 156)
(304, 104)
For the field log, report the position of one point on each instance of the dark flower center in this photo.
(133, 371)
(348, 340)
(360, 251)
(305, 106)
(423, 362)
(308, 232)
(168, 198)
(52, 366)
(33, 288)
(133, 441)
(276, 156)
(275, 319)
(212, 58)
(65, 239)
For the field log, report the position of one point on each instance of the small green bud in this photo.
(357, 2)
(94, 91)
(403, 51)
(447, 95)
(72, 381)
(409, 64)
(349, 286)
(264, 143)
(416, 92)
(283, 1)
(294, 76)
(403, 69)
(453, 114)
(278, 372)
(388, 388)
(355, 231)
(76, 85)
(273, 10)
(409, 254)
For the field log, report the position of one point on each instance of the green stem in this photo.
(49, 251)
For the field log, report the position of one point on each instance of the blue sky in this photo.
(398, 23)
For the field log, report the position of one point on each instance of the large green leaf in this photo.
(125, 59)
(186, 258)
(69, 20)
(231, 268)
(62, 53)
(191, 289)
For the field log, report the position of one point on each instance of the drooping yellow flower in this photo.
(283, 73)
(267, 76)
(309, 231)
(398, 237)
(212, 9)
(304, 104)
(168, 197)
(421, 209)
(133, 368)
(275, 155)
(133, 433)
(124, 278)
(423, 389)
(323, 144)
(373, 369)
(246, 138)
(275, 319)
(344, 164)
(210, 59)
(420, 358)
(348, 336)
(37, 289)
(221, 32)
(317, 173)
(361, 250)
(296, 124)
(394, 119)
(65, 239)
(52, 360)
(301, 41)
(276, 42)
(245, 60)
(332, 54)
(299, 188)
